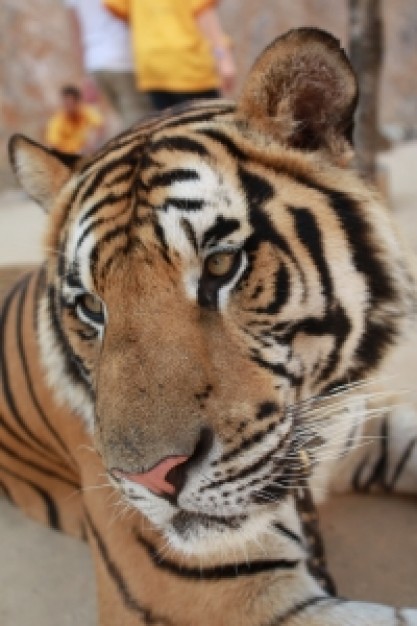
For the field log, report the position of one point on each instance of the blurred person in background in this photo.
(104, 53)
(180, 49)
(76, 128)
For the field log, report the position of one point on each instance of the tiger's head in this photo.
(208, 271)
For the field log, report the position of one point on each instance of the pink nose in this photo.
(156, 479)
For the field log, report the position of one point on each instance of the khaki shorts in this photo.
(120, 89)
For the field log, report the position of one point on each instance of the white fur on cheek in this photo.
(66, 391)
(82, 254)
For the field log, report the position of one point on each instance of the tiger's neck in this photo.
(253, 585)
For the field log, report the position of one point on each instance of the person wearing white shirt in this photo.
(103, 51)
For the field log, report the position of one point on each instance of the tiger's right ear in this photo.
(302, 91)
(41, 172)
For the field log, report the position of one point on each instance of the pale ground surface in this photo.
(46, 579)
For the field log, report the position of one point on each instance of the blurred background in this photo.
(37, 56)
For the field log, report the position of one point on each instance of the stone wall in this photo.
(36, 57)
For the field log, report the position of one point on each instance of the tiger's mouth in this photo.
(185, 528)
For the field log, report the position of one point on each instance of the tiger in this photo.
(219, 288)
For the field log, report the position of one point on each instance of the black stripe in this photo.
(282, 288)
(278, 369)
(6, 491)
(266, 409)
(97, 177)
(299, 608)
(37, 293)
(226, 142)
(336, 319)
(221, 229)
(28, 379)
(277, 490)
(15, 435)
(182, 204)
(365, 256)
(128, 158)
(160, 235)
(72, 277)
(123, 177)
(189, 233)
(62, 257)
(51, 509)
(310, 235)
(245, 471)
(288, 533)
(219, 572)
(367, 259)
(170, 177)
(73, 364)
(335, 322)
(338, 324)
(245, 444)
(379, 472)
(129, 601)
(179, 144)
(38, 468)
(103, 220)
(110, 235)
(259, 289)
(8, 395)
(350, 440)
(195, 114)
(109, 200)
(402, 462)
(258, 192)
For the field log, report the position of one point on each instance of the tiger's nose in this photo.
(166, 477)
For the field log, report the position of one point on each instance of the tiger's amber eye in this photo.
(92, 304)
(92, 307)
(220, 264)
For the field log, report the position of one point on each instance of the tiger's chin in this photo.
(195, 533)
(193, 530)
(198, 533)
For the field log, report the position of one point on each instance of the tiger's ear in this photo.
(303, 92)
(40, 171)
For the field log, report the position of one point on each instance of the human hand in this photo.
(226, 69)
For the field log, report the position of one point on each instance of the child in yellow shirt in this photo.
(75, 128)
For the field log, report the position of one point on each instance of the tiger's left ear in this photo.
(41, 172)
(302, 91)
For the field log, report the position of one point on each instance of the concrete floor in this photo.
(47, 579)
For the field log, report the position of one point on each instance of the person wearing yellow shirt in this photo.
(180, 49)
(75, 128)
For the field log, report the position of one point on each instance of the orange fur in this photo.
(175, 361)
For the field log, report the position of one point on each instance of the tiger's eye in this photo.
(91, 308)
(91, 304)
(220, 264)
